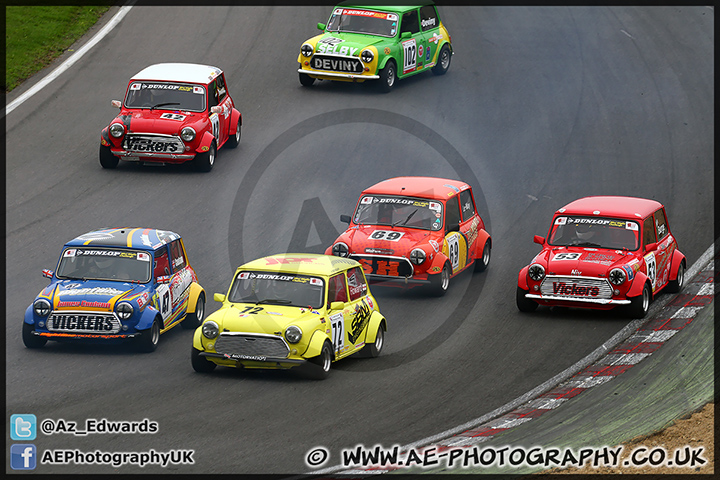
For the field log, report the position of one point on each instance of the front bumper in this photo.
(152, 156)
(253, 361)
(337, 76)
(599, 301)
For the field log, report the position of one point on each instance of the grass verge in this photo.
(36, 35)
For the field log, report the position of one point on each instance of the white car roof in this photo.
(178, 72)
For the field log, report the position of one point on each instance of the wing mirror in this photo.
(453, 227)
(47, 273)
(539, 240)
(163, 279)
(219, 297)
(337, 306)
(321, 26)
(116, 103)
(650, 246)
(216, 109)
(345, 219)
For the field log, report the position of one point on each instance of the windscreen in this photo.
(277, 289)
(166, 96)
(363, 21)
(612, 233)
(104, 264)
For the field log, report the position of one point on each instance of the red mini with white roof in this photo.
(414, 231)
(602, 252)
(172, 113)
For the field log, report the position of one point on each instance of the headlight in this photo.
(417, 256)
(117, 130)
(367, 56)
(293, 334)
(210, 329)
(536, 272)
(124, 310)
(340, 250)
(306, 50)
(617, 276)
(41, 307)
(187, 134)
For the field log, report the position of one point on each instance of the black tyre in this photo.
(232, 142)
(30, 339)
(194, 319)
(319, 367)
(388, 77)
(306, 80)
(524, 304)
(482, 263)
(204, 162)
(640, 305)
(440, 282)
(107, 159)
(443, 61)
(148, 340)
(676, 285)
(374, 349)
(201, 364)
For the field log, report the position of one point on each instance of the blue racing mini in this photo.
(116, 284)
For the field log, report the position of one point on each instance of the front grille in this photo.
(251, 345)
(385, 266)
(337, 64)
(83, 322)
(153, 144)
(576, 288)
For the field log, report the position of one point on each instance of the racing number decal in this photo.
(164, 303)
(567, 256)
(338, 333)
(386, 235)
(215, 120)
(651, 269)
(409, 55)
(454, 250)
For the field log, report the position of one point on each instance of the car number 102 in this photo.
(410, 55)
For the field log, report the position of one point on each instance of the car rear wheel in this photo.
(676, 285)
(640, 305)
(524, 304)
(107, 159)
(233, 141)
(194, 319)
(204, 162)
(388, 76)
(201, 364)
(320, 365)
(440, 282)
(306, 80)
(148, 340)
(482, 263)
(443, 61)
(30, 339)
(374, 349)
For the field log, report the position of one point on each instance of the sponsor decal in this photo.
(81, 322)
(436, 37)
(198, 90)
(428, 22)
(351, 65)
(562, 288)
(599, 258)
(139, 144)
(237, 356)
(560, 220)
(427, 53)
(366, 200)
(286, 260)
(435, 245)
(420, 51)
(360, 320)
(379, 251)
(387, 50)
(434, 270)
(90, 291)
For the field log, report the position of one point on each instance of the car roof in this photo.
(178, 72)
(385, 8)
(612, 206)
(421, 187)
(127, 237)
(301, 263)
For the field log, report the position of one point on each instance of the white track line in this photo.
(70, 61)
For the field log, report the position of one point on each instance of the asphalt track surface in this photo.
(540, 106)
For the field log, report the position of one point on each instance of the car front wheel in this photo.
(149, 339)
(388, 76)
(306, 80)
(234, 140)
(201, 364)
(107, 159)
(320, 365)
(204, 162)
(482, 263)
(524, 304)
(30, 339)
(440, 282)
(640, 305)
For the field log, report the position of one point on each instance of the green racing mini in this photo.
(376, 43)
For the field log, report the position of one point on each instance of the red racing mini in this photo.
(603, 252)
(172, 113)
(414, 231)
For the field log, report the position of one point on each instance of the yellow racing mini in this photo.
(291, 310)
